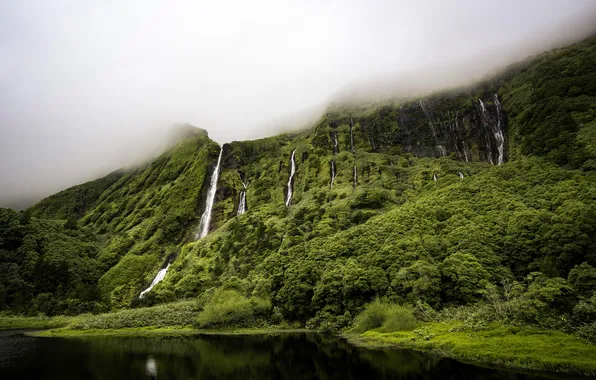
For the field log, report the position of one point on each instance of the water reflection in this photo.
(151, 368)
(298, 356)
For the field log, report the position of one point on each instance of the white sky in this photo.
(86, 86)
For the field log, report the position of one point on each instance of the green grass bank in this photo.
(511, 347)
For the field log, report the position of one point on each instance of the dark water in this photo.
(299, 356)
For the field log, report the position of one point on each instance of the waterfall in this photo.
(206, 217)
(335, 143)
(355, 174)
(352, 136)
(463, 143)
(485, 122)
(499, 132)
(160, 276)
(484, 116)
(333, 173)
(442, 150)
(430, 121)
(461, 175)
(292, 172)
(242, 202)
(435, 177)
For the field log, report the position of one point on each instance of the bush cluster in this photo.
(387, 317)
(229, 308)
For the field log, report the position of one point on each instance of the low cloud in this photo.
(87, 87)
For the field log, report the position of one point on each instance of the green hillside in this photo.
(405, 201)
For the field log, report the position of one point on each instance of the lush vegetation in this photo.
(439, 239)
(180, 313)
(385, 317)
(73, 203)
(229, 308)
(517, 347)
(98, 262)
(552, 104)
(9, 322)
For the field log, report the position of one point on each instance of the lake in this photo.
(285, 356)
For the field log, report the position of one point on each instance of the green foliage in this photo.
(386, 317)
(551, 104)
(226, 308)
(495, 344)
(373, 316)
(46, 267)
(180, 313)
(583, 279)
(587, 332)
(9, 322)
(465, 277)
(585, 310)
(74, 202)
(399, 318)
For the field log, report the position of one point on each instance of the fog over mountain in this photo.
(87, 87)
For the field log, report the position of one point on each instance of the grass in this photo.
(42, 322)
(389, 317)
(172, 314)
(523, 348)
(179, 313)
(230, 308)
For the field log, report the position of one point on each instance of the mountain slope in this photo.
(75, 201)
(132, 226)
(404, 200)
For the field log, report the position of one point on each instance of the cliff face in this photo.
(472, 127)
(362, 145)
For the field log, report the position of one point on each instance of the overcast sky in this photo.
(85, 86)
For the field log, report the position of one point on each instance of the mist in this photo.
(88, 87)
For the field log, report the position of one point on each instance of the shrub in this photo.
(423, 312)
(172, 314)
(585, 310)
(371, 317)
(230, 308)
(587, 332)
(398, 318)
(389, 317)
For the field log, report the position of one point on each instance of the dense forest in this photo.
(477, 202)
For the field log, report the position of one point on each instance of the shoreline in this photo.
(173, 331)
(545, 351)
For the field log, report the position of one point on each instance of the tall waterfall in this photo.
(430, 121)
(206, 217)
(485, 121)
(352, 136)
(333, 173)
(484, 116)
(355, 174)
(463, 143)
(499, 132)
(335, 143)
(242, 202)
(465, 150)
(292, 172)
(160, 276)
